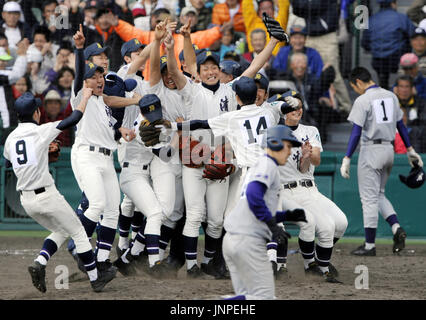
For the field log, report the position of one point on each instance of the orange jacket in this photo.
(253, 21)
(221, 15)
(203, 39)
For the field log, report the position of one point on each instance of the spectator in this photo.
(4, 43)
(322, 19)
(186, 14)
(387, 38)
(297, 44)
(11, 26)
(418, 43)
(253, 19)
(142, 11)
(231, 10)
(21, 86)
(50, 12)
(63, 84)
(64, 58)
(227, 42)
(414, 114)
(37, 76)
(258, 42)
(7, 79)
(313, 89)
(202, 39)
(204, 14)
(51, 111)
(410, 67)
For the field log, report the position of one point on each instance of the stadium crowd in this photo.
(37, 52)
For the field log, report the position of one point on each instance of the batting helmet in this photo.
(415, 178)
(274, 136)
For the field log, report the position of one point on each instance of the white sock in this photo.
(162, 251)
(272, 254)
(306, 262)
(369, 246)
(103, 255)
(206, 260)
(153, 258)
(137, 248)
(93, 274)
(280, 265)
(134, 235)
(123, 257)
(395, 227)
(190, 263)
(123, 243)
(323, 269)
(74, 251)
(42, 260)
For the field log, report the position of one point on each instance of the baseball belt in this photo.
(304, 183)
(102, 150)
(36, 191)
(377, 141)
(126, 165)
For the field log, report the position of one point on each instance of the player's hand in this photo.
(169, 42)
(278, 233)
(344, 169)
(171, 26)
(296, 215)
(136, 97)
(87, 93)
(292, 102)
(414, 157)
(79, 38)
(160, 30)
(186, 29)
(127, 134)
(306, 150)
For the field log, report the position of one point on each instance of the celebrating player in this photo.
(27, 149)
(375, 116)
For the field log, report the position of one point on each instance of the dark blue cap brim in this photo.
(130, 50)
(96, 52)
(202, 59)
(91, 72)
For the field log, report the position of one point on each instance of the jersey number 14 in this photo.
(253, 137)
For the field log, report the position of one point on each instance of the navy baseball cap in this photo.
(163, 63)
(197, 51)
(203, 56)
(418, 32)
(26, 104)
(150, 106)
(115, 86)
(93, 50)
(231, 67)
(297, 30)
(130, 46)
(90, 69)
(261, 80)
(245, 88)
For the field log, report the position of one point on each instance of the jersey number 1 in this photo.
(385, 118)
(260, 124)
(21, 151)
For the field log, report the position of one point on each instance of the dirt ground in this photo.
(390, 277)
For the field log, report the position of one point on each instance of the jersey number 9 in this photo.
(21, 151)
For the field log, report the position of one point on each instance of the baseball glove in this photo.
(274, 28)
(218, 168)
(193, 153)
(149, 133)
(54, 150)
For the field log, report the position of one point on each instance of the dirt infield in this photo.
(390, 277)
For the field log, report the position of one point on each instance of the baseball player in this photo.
(299, 190)
(262, 84)
(208, 99)
(229, 70)
(26, 149)
(92, 152)
(375, 116)
(253, 221)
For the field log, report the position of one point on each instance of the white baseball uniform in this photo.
(26, 148)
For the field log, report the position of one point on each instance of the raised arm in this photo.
(188, 49)
(77, 114)
(261, 59)
(79, 41)
(140, 60)
(154, 58)
(177, 76)
(120, 102)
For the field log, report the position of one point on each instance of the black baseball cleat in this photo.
(274, 268)
(119, 251)
(220, 268)
(362, 251)
(399, 240)
(313, 269)
(38, 276)
(194, 273)
(158, 270)
(208, 268)
(172, 266)
(104, 277)
(126, 269)
(330, 278)
(332, 269)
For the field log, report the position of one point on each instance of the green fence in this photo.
(410, 204)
